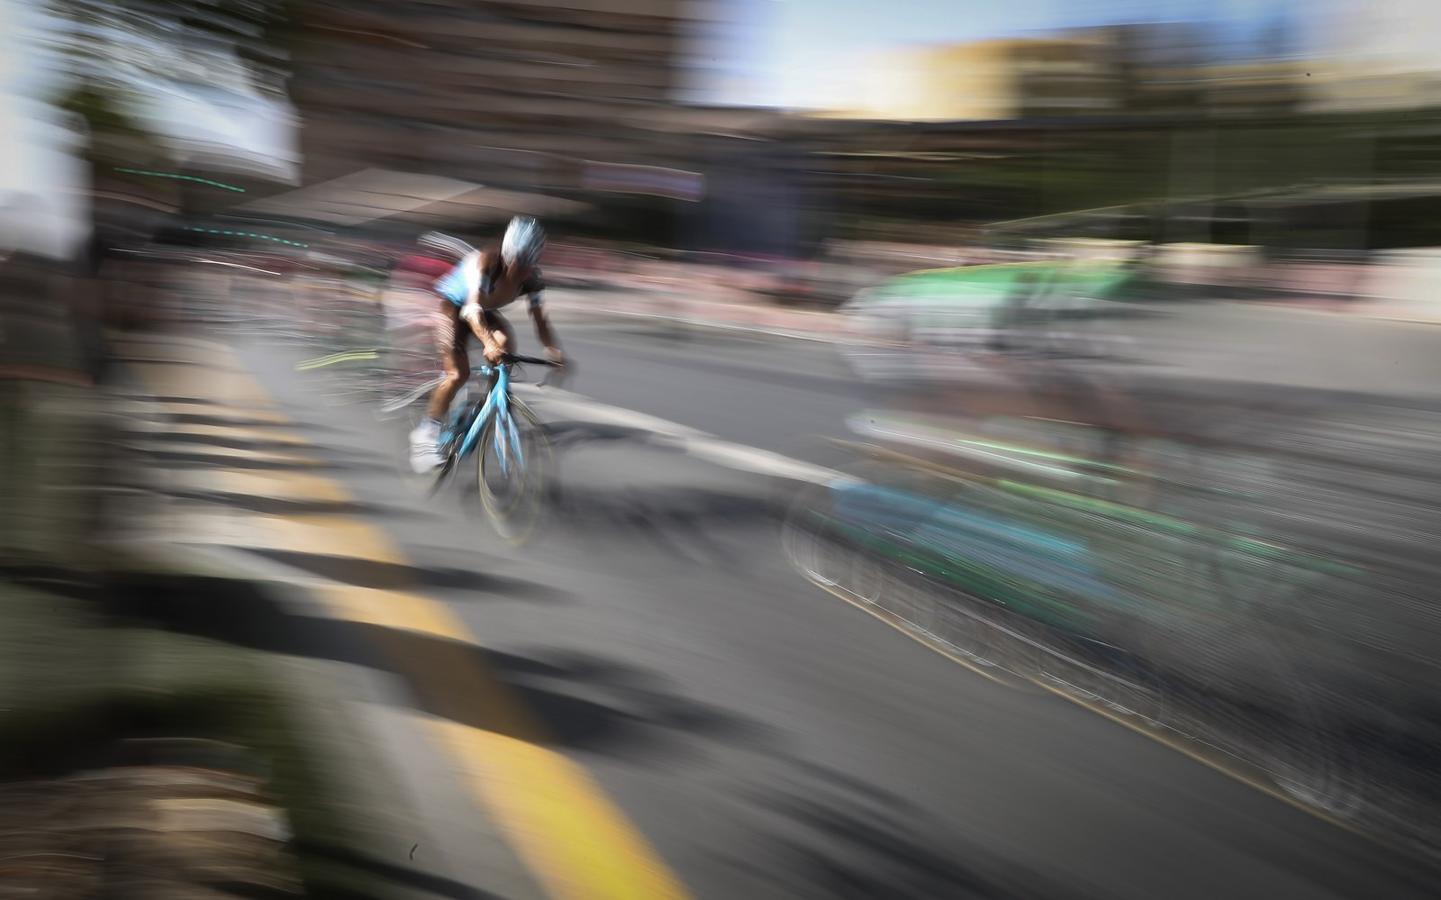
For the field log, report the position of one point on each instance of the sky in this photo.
(39, 212)
(802, 53)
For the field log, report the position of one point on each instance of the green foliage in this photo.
(108, 50)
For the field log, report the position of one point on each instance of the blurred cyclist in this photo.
(469, 295)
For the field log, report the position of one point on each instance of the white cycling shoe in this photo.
(424, 452)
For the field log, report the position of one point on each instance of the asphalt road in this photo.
(765, 738)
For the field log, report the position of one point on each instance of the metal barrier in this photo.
(1195, 612)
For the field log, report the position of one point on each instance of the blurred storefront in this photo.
(508, 94)
(579, 105)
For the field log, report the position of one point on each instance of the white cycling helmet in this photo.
(524, 239)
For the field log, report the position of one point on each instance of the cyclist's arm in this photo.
(473, 316)
(534, 289)
(475, 285)
(490, 338)
(543, 331)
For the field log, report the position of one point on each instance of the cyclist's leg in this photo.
(450, 335)
(425, 439)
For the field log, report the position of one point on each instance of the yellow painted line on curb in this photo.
(275, 483)
(181, 381)
(331, 535)
(557, 819)
(397, 610)
(548, 803)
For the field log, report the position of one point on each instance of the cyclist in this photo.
(469, 296)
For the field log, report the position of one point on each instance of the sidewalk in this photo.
(225, 471)
(760, 316)
(737, 312)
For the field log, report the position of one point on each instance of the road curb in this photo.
(378, 817)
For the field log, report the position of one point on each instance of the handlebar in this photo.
(559, 371)
(511, 358)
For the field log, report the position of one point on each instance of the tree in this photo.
(117, 60)
(134, 72)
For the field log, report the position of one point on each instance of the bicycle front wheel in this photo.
(514, 472)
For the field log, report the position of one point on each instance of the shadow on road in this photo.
(847, 850)
(279, 506)
(604, 707)
(690, 523)
(175, 418)
(185, 459)
(569, 701)
(301, 451)
(392, 873)
(232, 442)
(683, 520)
(392, 576)
(566, 435)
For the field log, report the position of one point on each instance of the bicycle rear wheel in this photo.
(514, 473)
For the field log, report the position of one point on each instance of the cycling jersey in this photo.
(457, 284)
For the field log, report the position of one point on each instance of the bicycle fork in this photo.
(496, 404)
(507, 437)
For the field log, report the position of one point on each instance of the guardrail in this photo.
(1186, 608)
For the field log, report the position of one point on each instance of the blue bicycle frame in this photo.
(507, 436)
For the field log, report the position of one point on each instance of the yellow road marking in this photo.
(167, 380)
(548, 804)
(280, 484)
(390, 609)
(331, 535)
(556, 817)
(558, 820)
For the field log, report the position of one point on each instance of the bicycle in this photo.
(515, 459)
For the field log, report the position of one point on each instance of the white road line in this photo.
(580, 408)
(695, 442)
(751, 459)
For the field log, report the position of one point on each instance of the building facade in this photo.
(508, 93)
